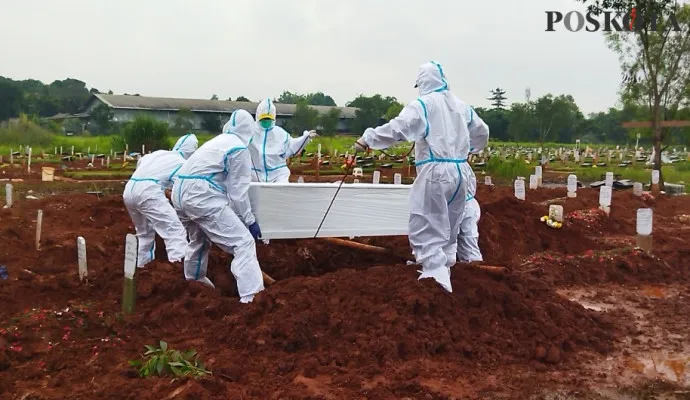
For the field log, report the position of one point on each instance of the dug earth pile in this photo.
(338, 323)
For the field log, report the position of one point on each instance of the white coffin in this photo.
(294, 210)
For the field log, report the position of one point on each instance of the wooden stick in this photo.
(267, 279)
(369, 248)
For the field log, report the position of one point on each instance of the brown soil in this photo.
(339, 323)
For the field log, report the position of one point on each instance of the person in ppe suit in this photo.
(147, 205)
(438, 123)
(468, 237)
(272, 146)
(212, 200)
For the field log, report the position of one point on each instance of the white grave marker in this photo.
(72, 149)
(605, 198)
(107, 162)
(39, 226)
(300, 180)
(637, 189)
(377, 177)
(81, 253)
(655, 177)
(520, 189)
(556, 212)
(644, 221)
(397, 179)
(539, 172)
(11, 156)
(129, 292)
(609, 179)
(533, 182)
(28, 168)
(572, 186)
(8, 195)
(487, 180)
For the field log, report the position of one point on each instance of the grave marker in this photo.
(519, 189)
(605, 193)
(572, 186)
(129, 291)
(8, 195)
(397, 179)
(39, 226)
(377, 177)
(81, 254)
(645, 218)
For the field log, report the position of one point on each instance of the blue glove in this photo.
(255, 230)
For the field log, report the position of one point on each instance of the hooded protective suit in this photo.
(212, 201)
(438, 123)
(468, 238)
(147, 205)
(272, 146)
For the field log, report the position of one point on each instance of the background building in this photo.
(126, 107)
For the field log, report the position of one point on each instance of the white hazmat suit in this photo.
(272, 146)
(212, 200)
(438, 123)
(468, 238)
(150, 210)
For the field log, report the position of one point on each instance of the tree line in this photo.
(547, 119)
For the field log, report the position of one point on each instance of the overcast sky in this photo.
(258, 48)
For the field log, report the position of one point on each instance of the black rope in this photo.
(347, 172)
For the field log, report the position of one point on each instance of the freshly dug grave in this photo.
(338, 324)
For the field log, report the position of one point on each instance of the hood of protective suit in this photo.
(186, 145)
(266, 109)
(240, 124)
(430, 78)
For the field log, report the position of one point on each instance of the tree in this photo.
(655, 61)
(371, 110)
(557, 118)
(313, 99)
(211, 123)
(229, 99)
(146, 131)
(242, 98)
(10, 99)
(304, 118)
(522, 124)
(102, 117)
(214, 97)
(110, 92)
(320, 99)
(329, 121)
(498, 98)
(498, 121)
(393, 111)
(183, 121)
(94, 91)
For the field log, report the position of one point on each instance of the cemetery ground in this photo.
(578, 312)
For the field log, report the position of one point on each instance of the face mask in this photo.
(266, 123)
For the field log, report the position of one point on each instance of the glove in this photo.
(311, 134)
(360, 145)
(255, 230)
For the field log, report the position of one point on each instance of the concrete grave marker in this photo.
(605, 193)
(572, 186)
(645, 218)
(81, 254)
(8, 195)
(519, 189)
(129, 291)
(39, 226)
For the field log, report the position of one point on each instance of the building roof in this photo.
(216, 106)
